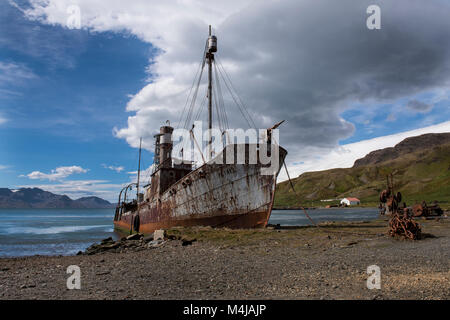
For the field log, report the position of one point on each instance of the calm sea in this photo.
(298, 218)
(26, 232)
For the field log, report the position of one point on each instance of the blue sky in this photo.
(64, 91)
(390, 118)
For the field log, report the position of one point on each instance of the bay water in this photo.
(27, 232)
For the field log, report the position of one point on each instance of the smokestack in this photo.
(165, 147)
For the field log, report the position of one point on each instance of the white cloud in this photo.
(56, 174)
(145, 175)
(299, 60)
(344, 156)
(82, 188)
(114, 168)
(2, 120)
(3, 167)
(13, 73)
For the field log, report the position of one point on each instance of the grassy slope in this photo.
(422, 175)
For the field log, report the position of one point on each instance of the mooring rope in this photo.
(293, 189)
(306, 213)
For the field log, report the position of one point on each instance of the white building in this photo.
(350, 201)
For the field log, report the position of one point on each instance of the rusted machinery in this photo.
(401, 222)
(389, 201)
(424, 210)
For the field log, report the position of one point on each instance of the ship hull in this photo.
(237, 221)
(216, 195)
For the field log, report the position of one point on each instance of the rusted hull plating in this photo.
(227, 195)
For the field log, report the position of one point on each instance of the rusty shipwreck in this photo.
(227, 193)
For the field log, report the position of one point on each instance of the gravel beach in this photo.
(329, 262)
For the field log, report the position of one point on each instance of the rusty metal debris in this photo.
(389, 201)
(401, 223)
(424, 210)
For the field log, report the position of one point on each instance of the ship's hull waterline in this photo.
(216, 195)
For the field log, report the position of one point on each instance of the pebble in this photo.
(240, 271)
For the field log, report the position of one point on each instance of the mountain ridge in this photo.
(421, 168)
(410, 144)
(35, 198)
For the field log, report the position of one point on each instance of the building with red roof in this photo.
(350, 201)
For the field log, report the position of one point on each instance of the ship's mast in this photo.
(139, 171)
(212, 47)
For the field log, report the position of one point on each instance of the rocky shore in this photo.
(328, 262)
(135, 242)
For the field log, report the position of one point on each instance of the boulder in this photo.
(187, 241)
(158, 235)
(135, 236)
(155, 243)
(113, 245)
(107, 240)
(148, 238)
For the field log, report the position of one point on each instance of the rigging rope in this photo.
(235, 96)
(191, 108)
(221, 101)
(235, 100)
(200, 109)
(200, 66)
(196, 144)
(219, 73)
(194, 97)
(216, 104)
(190, 111)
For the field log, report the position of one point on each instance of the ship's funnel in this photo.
(165, 147)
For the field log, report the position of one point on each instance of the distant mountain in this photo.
(94, 202)
(38, 198)
(409, 145)
(421, 168)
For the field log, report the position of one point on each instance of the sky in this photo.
(76, 98)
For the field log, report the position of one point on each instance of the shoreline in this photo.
(41, 244)
(118, 235)
(329, 262)
(314, 208)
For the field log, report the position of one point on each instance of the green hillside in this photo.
(421, 172)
